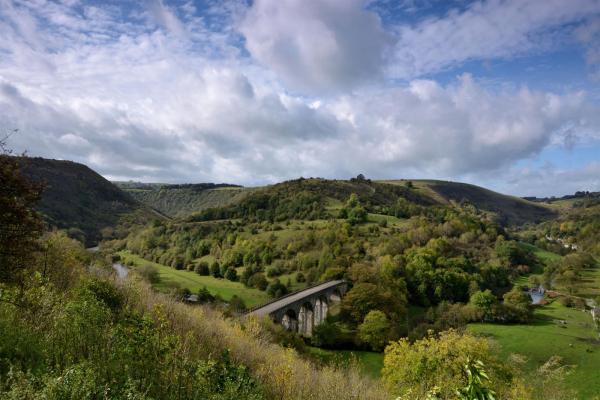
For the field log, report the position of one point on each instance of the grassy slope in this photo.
(546, 337)
(511, 210)
(181, 202)
(194, 282)
(369, 362)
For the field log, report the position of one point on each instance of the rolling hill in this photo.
(77, 197)
(326, 194)
(509, 210)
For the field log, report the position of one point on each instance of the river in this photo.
(121, 270)
(537, 294)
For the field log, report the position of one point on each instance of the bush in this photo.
(149, 273)
(215, 270)
(204, 296)
(259, 281)
(300, 277)
(237, 304)
(276, 289)
(231, 274)
(273, 271)
(375, 330)
(202, 268)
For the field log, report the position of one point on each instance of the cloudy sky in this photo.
(502, 93)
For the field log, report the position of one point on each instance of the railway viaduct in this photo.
(301, 311)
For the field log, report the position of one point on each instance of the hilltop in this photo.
(324, 196)
(77, 198)
(510, 210)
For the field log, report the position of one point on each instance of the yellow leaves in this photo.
(436, 360)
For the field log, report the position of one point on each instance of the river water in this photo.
(537, 294)
(121, 270)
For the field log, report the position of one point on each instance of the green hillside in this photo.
(510, 210)
(317, 198)
(76, 197)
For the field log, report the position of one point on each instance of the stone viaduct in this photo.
(301, 311)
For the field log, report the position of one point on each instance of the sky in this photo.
(499, 93)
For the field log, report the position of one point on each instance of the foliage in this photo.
(20, 225)
(438, 361)
(476, 381)
(375, 330)
(149, 273)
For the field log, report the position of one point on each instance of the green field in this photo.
(576, 342)
(369, 362)
(590, 283)
(545, 257)
(194, 282)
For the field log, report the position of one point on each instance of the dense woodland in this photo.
(418, 271)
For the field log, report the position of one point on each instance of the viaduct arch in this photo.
(302, 311)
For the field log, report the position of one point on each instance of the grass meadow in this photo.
(194, 282)
(575, 340)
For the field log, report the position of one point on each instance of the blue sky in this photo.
(501, 93)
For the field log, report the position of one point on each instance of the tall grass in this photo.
(284, 374)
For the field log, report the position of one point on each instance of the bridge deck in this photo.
(292, 298)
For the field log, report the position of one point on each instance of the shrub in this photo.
(202, 268)
(259, 281)
(375, 330)
(237, 304)
(149, 273)
(300, 277)
(276, 289)
(438, 361)
(215, 270)
(231, 274)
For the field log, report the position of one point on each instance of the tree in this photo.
(202, 268)
(231, 274)
(375, 330)
(237, 304)
(259, 281)
(483, 301)
(365, 296)
(215, 270)
(276, 289)
(149, 273)
(20, 224)
(353, 211)
(438, 361)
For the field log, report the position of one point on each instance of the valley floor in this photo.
(575, 340)
(194, 282)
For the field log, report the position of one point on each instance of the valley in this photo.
(427, 264)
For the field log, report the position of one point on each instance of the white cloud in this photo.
(136, 101)
(321, 46)
(485, 30)
(550, 180)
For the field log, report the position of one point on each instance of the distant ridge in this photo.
(181, 200)
(510, 210)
